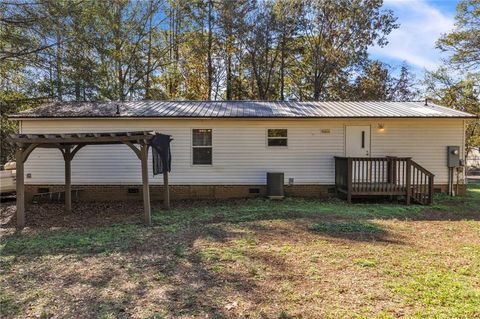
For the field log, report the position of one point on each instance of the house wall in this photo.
(240, 154)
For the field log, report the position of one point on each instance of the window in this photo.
(202, 146)
(277, 137)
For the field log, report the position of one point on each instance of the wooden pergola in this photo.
(69, 144)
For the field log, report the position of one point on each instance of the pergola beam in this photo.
(76, 138)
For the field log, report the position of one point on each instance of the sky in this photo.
(422, 22)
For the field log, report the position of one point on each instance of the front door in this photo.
(357, 141)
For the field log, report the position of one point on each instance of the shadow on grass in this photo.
(167, 253)
(355, 223)
(353, 230)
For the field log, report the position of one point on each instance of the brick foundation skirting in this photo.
(178, 192)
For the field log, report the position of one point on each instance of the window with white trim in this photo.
(277, 137)
(202, 147)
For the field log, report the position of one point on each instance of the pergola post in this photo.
(166, 191)
(68, 179)
(146, 187)
(19, 157)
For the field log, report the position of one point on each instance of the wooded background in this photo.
(307, 50)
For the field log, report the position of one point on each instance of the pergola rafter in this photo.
(69, 144)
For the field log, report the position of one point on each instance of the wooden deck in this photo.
(383, 176)
(384, 188)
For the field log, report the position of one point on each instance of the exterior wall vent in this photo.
(133, 191)
(254, 191)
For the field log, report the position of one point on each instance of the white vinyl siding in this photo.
(239, 153)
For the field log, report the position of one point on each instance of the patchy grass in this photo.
(349, 227)
(103, 239)
(253, 258)
(290, 208)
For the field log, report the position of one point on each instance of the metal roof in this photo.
(240, 109)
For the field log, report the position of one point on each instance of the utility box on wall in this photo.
(453, 156)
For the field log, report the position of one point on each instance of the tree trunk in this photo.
(118, 51)
(229, 77)
(77, 91)
(316, 88)
(149, 60)
(282, 71)
(59, 67)
(209, 51)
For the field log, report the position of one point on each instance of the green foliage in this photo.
(458, 93)
(335, 37)
(463, 42)
(120, 50)
(461, 91)
(11, 102)
(374, 84)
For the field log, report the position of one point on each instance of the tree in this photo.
(460, 90)
(336, 34)
(460, 94)
(232, 29)
(464, 41)
(405, 87)
(374, 84)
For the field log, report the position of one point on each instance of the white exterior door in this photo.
(357, 141)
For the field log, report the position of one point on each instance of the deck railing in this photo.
(359, 176)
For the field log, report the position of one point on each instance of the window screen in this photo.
(202, 146)
(277, 137)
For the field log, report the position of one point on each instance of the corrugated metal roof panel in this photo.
(242, 109)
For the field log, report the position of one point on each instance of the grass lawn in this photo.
(254, 258)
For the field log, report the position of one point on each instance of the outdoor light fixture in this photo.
(381, 127)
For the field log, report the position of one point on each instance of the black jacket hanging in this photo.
(162, 157)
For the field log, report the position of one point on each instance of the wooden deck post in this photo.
(19, 157)
(166, 191)
(349, 180)
(408, 181)
(146, 187)
(430, 189)
(68, 179)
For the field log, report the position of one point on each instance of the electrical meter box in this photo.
(453, 156)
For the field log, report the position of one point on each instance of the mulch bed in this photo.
(84, 214)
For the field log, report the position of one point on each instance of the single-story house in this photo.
(223, 149)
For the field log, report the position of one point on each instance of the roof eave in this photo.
(22, 118)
